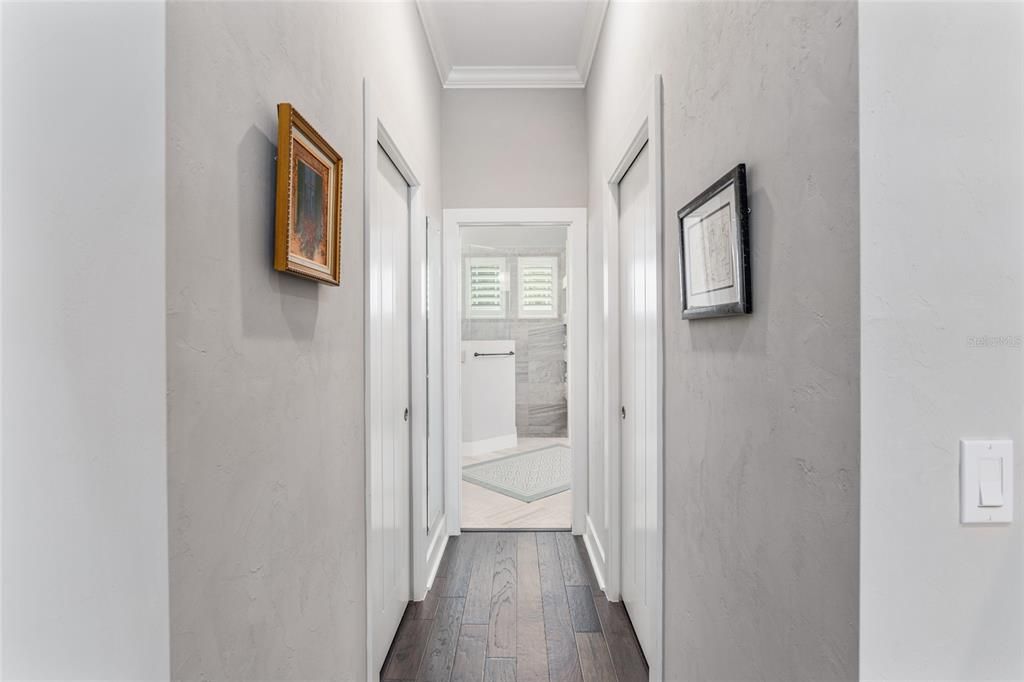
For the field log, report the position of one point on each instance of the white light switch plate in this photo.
(986, 481)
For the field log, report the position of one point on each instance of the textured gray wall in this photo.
(265, 371)
(514, 149)
(761, 412)
(942, 135)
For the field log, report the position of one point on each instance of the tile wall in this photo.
(541, 406)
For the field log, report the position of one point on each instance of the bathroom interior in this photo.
(516, 464)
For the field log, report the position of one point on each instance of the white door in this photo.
(638, 348)
(391, 483)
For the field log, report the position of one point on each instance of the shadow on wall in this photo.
(299, 298)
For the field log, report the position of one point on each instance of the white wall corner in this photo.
(589, 38)
(432, 30)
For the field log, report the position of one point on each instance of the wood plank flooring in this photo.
(515, 607)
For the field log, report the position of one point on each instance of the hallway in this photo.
(355, 303)
(515, 606)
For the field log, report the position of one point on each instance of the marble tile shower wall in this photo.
(541, 398)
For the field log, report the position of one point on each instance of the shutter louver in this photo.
(485, 287)
(538, 287)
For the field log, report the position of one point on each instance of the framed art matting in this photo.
(714, 250)
(307, 233)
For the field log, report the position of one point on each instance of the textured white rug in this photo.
(525, 476)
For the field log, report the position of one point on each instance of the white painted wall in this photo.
(1, 355)
(516, 148)
(761, 412)
(942, 240)
(84, 388)
(266, 371)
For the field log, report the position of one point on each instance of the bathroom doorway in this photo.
(518, 337)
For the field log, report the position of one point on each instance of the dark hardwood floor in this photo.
(509, 607)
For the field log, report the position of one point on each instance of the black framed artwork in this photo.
(714, 250)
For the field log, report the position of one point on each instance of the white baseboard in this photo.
(435, 549)
(598, 558)
(481, 447)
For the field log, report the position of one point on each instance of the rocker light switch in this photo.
(990, 482)
(986, 481)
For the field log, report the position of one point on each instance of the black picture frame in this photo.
(695, 305)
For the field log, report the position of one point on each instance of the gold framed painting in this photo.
(307, 233)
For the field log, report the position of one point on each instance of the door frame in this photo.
(643, 128)
(375, 133)
(575, 222)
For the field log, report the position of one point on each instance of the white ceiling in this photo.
(512, 43)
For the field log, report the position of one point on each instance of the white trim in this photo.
(579, 378)
(485, 445)
(575, 220)
(376, 133)
(590, 37)
(513, 77)
(436, 544)
(595, 550)
(451, 338)
(1, 375)
(644, 128)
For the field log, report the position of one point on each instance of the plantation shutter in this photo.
(538, 287)
(485, 287)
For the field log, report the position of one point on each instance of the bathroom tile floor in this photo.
(486, 509)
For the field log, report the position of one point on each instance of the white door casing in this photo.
(435, 532)
(634, 467)
(575, 220)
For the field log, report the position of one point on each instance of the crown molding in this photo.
(593, 22)
(513, 77)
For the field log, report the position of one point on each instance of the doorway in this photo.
(515, 351)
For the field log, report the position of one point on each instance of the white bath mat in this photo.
(525, 476)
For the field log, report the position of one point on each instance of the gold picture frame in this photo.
(307, 230)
